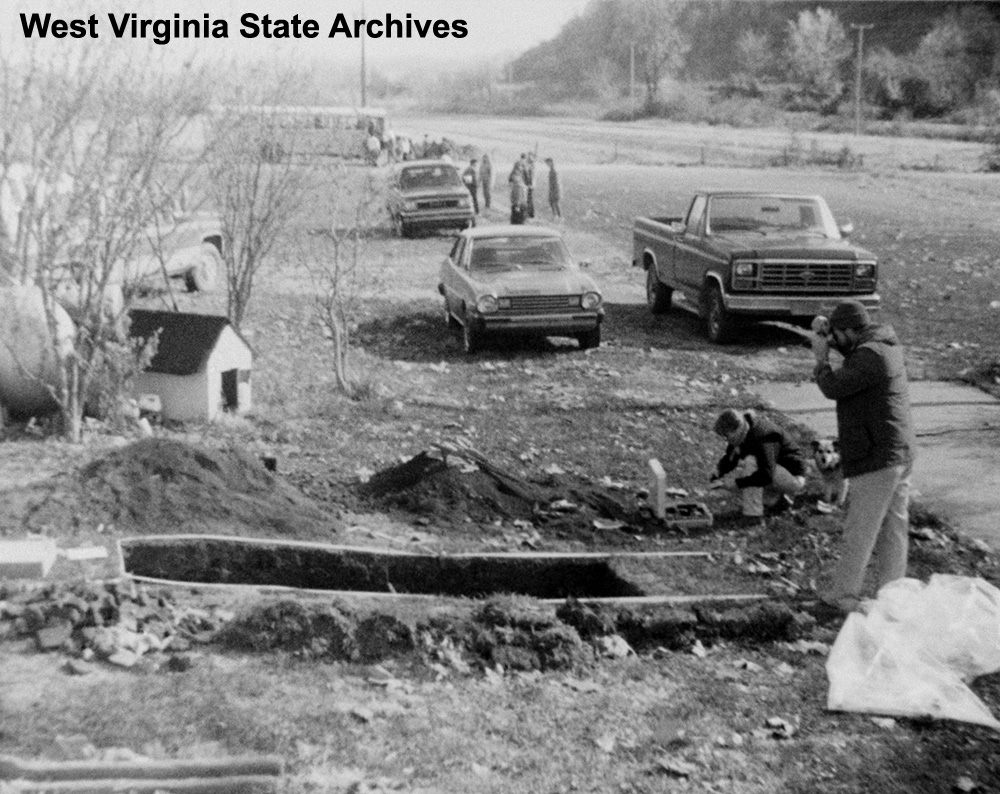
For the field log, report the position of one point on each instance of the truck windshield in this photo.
(770, 215)
(429, 176)
(519, 253)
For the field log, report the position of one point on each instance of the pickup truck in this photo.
(740, 255)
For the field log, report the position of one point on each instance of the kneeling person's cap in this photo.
(849, 314)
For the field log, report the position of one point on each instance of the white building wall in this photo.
(230, 352)
(182, 397)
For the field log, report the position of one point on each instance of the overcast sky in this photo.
(496, 28)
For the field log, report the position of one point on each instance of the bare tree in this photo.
(258, 189)
(85, 138)
(337, 262)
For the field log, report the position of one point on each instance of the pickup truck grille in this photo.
(537, 304)
(437, 204)
(806, 276)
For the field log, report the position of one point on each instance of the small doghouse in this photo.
(201, 368)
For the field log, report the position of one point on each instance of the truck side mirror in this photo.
(847, 229)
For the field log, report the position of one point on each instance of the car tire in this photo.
(658, 295)
(403, 229)
(719, 323)
(590, 339)
(204, 275)
(449, 318)
(472, 339)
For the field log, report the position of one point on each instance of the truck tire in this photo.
(658, 294)
(719, 323)
(204, 274)
(590, 339)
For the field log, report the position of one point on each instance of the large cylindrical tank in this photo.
(28, 361)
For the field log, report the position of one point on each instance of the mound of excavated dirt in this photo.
(429, 486)
(162, 485)
(462, 489)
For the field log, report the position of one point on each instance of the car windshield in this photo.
(429, 176)
(770, 215)
(519, 253)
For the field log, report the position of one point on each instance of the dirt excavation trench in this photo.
(238, 561)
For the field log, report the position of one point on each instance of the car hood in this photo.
(416, 194)
(752, 246)
(521, 282)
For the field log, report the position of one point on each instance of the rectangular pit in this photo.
(242, 561)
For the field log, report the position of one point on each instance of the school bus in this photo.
(310, 130)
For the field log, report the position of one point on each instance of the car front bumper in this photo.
(438, 218)
(542, 324)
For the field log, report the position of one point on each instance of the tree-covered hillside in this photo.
(924, 58)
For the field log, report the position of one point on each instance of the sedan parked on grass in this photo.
(518, 280)
(428, 194)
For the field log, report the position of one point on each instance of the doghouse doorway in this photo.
(230, 390)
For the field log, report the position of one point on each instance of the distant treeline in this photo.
(927, 57)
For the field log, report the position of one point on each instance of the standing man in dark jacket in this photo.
(877, 447)
(471, 179)
(486, 178)
(776, 470)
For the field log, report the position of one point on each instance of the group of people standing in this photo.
(522, 186)
(522, 189)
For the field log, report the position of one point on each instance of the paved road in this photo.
(958, 434)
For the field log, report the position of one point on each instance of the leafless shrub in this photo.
(92, 149)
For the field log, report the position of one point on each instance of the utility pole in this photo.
(364, 72)
(857, 76)
(631, 79)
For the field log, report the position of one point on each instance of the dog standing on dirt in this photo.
(826, 456)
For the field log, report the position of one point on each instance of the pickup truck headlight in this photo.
(409, 206)
(486, 304)
(864, 271)
(590, 300)
(745, 269)
(465, 202)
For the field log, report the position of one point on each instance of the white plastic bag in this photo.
(913, 652)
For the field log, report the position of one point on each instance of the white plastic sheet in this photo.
(914, 651)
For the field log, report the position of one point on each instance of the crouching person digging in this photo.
(769, 466)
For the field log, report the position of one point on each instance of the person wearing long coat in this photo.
(486, 180)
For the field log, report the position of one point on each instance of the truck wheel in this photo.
(590, 339)
(658, 295)
(202, 277)
(719, 323)
(472, 339)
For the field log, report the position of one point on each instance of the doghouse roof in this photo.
(185, 339)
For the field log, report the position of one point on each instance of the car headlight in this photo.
(864, 271)
(590, 300)
(486, 304)
(745, 269)
(409, 206)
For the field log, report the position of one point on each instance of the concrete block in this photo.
(658, 488)
(27, 559)
(52, 637)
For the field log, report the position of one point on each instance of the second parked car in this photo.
(518, 280)
(429, 194)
